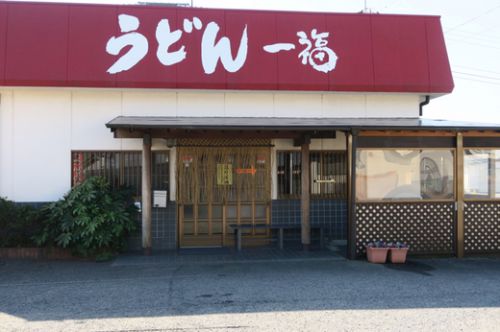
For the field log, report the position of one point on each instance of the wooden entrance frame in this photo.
(302, 137)
(146, 194)
(352, 141)
(301, 130)
(238, 153)
(305, 199)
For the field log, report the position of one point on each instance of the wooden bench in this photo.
(238, 229)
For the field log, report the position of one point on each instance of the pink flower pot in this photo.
(376, 255)
(398, 255)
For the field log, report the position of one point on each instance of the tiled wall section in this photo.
(331, 213)
(164, 228)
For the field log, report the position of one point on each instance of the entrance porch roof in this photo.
(172, 125)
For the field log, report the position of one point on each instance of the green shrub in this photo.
(18, 224)
(91, 219)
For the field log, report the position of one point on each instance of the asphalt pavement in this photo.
(299, 294)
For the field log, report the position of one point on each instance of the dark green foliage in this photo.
(91, 219)
(18, 224)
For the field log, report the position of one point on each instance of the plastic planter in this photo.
(398, 255)
(376, 255)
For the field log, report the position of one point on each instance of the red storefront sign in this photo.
(44, 44)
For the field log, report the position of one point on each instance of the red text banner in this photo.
(77, 45)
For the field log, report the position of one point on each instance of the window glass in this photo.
(88, 164)
(188, 227)
(217, 227)
(188, 212)
(216, 211)
(246, 211)
(414, 174)
(202, 212)
(131, 171)
(120, 168)
(231, 212)
(480, 174)
(160, 172)
(288, 174)
(260, 211)
(328, 172)
(316, 178)
(202, 227)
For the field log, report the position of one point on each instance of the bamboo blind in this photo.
(223, 174)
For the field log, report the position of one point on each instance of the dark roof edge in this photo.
(343, 124)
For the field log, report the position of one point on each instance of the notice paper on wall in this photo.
(160, 198)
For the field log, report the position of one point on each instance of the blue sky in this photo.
(472, 34)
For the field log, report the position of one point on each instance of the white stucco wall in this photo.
(39, 127)
(6, 144)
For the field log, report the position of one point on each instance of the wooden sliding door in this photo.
(222, 185)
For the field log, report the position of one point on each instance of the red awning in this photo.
(79, 45)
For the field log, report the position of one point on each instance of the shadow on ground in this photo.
(413, 266)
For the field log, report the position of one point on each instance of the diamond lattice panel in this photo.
(233, 141)
(427, 227)
(482, 227)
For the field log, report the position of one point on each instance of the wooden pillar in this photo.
(460, 196)
(147, 237)
(351, 182)
(492, 174)
(305, 195)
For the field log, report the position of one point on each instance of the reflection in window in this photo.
(288, 165)
(480, 174)
(389, 174)
(328, 174)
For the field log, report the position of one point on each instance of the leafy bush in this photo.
(91, 219)
(18, 224)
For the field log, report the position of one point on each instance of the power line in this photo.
(472, 19)
(480, 76)
(481, 33)
(473, 36)
(453, 39)
(478, 69)
(490, 28)
(478, 43)
(474, 80)
(478, 81)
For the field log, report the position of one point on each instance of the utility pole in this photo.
(365, 8)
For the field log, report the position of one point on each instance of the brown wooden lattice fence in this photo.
(482, 227)
(428, 227)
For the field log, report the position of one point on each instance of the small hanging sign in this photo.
(224, 174)
(251, 170)
(187, 160)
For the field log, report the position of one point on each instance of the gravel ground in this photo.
(278, 295)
